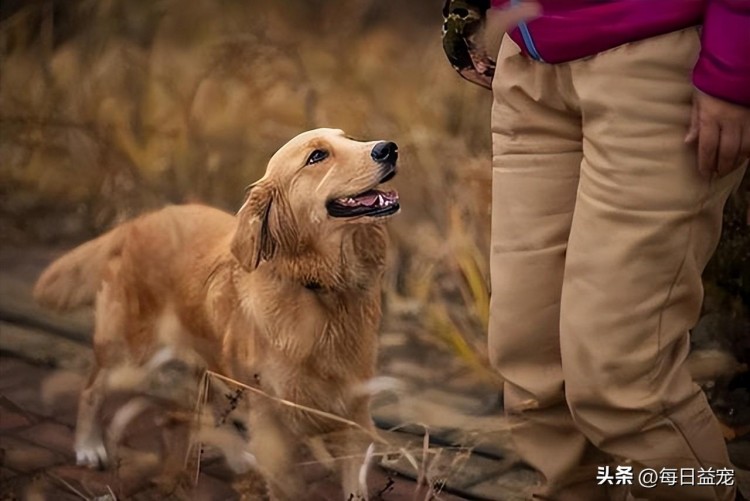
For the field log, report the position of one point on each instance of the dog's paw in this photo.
(92, 454)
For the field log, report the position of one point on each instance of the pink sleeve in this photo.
(723, 69)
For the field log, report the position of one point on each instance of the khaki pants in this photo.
(601, 228)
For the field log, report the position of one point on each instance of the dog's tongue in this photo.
(369, 198)
(371, 202)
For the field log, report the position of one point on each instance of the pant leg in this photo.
(644, 227)
(536, 134)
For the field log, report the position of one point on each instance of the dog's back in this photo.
(153, 243)
(150, 264)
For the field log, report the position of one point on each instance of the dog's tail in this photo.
(73, 279)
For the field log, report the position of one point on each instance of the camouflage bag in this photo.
(462, 40)
(468, 35)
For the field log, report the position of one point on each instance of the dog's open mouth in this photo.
(370, 203)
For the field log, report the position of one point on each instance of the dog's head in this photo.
(316, 185)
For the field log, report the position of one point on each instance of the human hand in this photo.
(722, 132)
(504, 19)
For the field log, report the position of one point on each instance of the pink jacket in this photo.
(571, 29)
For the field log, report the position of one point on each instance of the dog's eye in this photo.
(316, 156)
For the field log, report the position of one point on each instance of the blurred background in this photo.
(109, 108)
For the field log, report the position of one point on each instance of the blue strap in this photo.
(526, 35)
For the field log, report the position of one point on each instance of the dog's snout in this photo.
(385, 152)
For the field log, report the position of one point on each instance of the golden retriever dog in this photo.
(284, 297)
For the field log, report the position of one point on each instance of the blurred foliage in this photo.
(727, 278)
(109, 108)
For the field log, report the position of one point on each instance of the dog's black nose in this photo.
(385, 152)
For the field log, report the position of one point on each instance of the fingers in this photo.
(708, 146)
(692, 133)
(728, 155)
(506, 18)
(528, 10)
(722, 131)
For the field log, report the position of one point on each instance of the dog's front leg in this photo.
(350, 484)
(274, 449)
(354, 463)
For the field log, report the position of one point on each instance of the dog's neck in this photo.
(353, 260)
(340, 289)
(337, 279)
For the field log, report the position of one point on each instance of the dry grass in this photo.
(431, 472)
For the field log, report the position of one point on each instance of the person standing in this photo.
(619, 129)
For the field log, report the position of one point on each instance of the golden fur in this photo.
(282, 296)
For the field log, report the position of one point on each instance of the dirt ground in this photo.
(38, 463)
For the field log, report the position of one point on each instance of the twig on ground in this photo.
(67, 485)
(288, 403)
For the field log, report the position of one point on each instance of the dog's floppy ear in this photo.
(252, 240)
